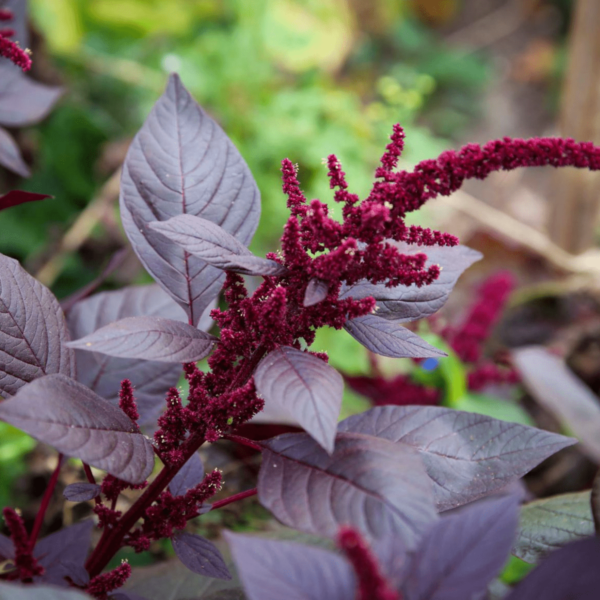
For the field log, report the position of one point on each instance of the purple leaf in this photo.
(408, 303)
(393, 558)
(24, 101)
(80, 492)
(61, 412)
(388, 338)
(149, 338)
(557, 388)
(468, 456)
(206, 240)
(304, 387)
(64, 553)
(316, 291)
(6, 547)
(199, 555)
(15, 591)
(571, 573)
(171, 580)
(103, 374)
(273, 570)
(550, 523)
(32, 330)
(17, 197)
(369, 483)
(10, 155)
(463, 552)
(181, 162)
(254, 265)
(188, 477)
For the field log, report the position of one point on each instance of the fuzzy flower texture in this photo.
(8, 48)
(321, 253)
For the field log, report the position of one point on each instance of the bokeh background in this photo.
(306, 78)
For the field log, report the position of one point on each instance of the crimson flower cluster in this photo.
(10, 49)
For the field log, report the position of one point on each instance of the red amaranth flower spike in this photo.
(25, 563)
(6, 14)
(393, 151)
(372, 584)
(14, 53)
(101, 585)
(127, 400)
(468, 340)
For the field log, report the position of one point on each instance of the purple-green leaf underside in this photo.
(103, 374)
(181, 162)
(149, 338)
(467, 456)
(63, 413)
(206, 240)
(32, 330)
(200, 555)
(274, 570)
(303, 387)
(388, 338)
(408, 303)
(369, 483)
(550, 523)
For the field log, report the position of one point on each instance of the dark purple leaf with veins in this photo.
(181, 162)
(274, 570)
(32, 330)
(149, 338)
(371, 484)
(408, 303)
(304, 387)
(61, 412)
(80, 492)
(16, 197)
(211, 243)
(388, 338)
(10, 155)
(316, 291)
(199, 555)
(103, 374)
(188, 477)
(463, 552)
(570, 573)
(64, 554)
(467, 456)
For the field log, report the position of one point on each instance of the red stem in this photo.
(111, 539)
(234, 498)
(39, 518)
(238, 439)
(91, 479)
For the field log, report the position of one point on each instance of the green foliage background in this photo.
(285, 78)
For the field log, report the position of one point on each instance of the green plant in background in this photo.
(295, 78)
